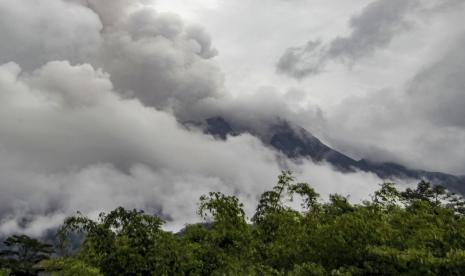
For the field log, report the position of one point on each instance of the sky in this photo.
(92, 93)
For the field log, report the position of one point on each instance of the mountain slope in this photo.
(296, 142)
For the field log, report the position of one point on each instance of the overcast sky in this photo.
(91, 93)
(386, 74)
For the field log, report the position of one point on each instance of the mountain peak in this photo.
(296, 143)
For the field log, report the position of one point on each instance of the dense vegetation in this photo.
(413, 232)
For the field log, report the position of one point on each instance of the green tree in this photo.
(416, 231)
(67, 266)
(22, 253)
(4, 272)
(224, 243)
(127, 242)
(279, 230)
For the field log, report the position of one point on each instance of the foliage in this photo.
(69, 267)
(418, 231)
(127, 242)
(22, 253)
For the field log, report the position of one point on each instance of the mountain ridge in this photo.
(296, 142)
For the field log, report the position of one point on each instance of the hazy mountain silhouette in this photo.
(296, 142)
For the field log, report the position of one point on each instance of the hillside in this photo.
(296, 142)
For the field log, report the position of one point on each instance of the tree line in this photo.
(418, 231)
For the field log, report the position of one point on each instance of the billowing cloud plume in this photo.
(70, 142)
(371, 30)
(160, 61)
(34, 32)
(152, 56)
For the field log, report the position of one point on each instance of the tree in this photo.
(279, 230)
(22, 253)
(126, 242)
(417, 231)
(225, 245)
(67, 266)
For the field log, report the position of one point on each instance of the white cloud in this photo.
(69, 143)
(34, 32)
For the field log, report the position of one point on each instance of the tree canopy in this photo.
(22, 253)
(418, 231)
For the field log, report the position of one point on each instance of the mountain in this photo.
(296, 142)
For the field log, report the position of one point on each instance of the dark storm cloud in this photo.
(152, 56)
(371, 30)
